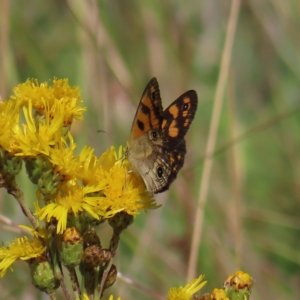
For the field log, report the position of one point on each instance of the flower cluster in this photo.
(74, 191)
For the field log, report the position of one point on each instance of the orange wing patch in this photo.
(174, 111)
(187, 122)
(173, 129)
(149, 112)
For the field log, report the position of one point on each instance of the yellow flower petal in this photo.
(186, 292)
(20, 248)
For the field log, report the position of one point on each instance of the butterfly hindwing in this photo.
(155, 183)
(176, 160)
(149, 112)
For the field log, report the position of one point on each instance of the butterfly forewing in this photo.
(178, 117)
(149, 113)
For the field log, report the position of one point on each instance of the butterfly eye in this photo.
(154, 135)
(160, 172)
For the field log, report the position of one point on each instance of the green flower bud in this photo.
(48, 182)
(78, 221)
(93, 221)
(94, 256)
(43, 276)
(9, 165)
(91, 238)
(40, 171)
(120, 221)
(36, 167)
(72, 247)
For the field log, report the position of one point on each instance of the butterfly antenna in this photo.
(108, 134)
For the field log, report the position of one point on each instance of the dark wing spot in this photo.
(146, 110)
(160, 172)
(153, 96)
(140, 125)
(185, 106)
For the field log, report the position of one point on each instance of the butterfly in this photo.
(156, 147)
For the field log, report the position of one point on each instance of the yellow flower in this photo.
(60, 94)
(63, 159)
(70, 99)
(20, 248)
(72, 199)
(186, 292)
(89, 168)
(32, 91)
(37, 139)
(48, 111)
(107, 188)
(109, 158)
(125, 191)
(9, 120)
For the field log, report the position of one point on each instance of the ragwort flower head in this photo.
(125, 191)
(38, 138)
(72, 199)
(20, 249)
(62, 158)
(48, 111)
(59, 94)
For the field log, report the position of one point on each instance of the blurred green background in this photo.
(111, 49)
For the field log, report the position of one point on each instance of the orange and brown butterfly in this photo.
(156, 147)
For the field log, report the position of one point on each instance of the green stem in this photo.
(96, 292)
(52, 296)
(74, 281)
(14, 190)
(114, 242)
(84, 272)
(65, 290)
(54, 256)
(104, 276)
